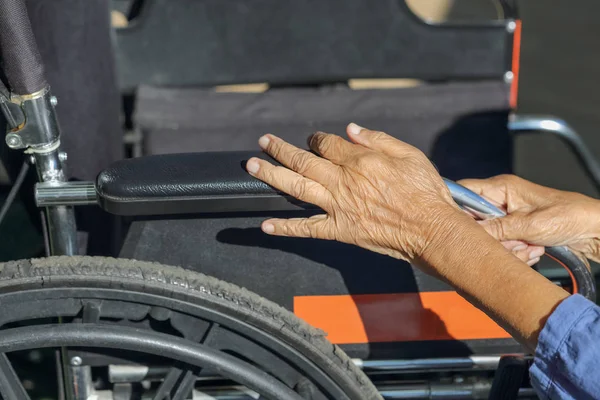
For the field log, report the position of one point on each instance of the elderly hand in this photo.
(384, 195)
(378, 192)
(540, 216)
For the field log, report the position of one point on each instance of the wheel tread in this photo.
(172, 280)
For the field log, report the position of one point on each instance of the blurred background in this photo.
(558, 75)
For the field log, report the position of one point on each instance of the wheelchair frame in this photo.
(33, 127)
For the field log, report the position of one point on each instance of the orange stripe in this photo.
(396, 317)
(514, 88)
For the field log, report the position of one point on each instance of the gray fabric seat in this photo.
(461, 126)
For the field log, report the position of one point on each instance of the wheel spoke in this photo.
(185, 386)
(10, 385)
(168, 384)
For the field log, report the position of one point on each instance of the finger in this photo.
(290, 182)
(518, 249)
(494, 193)
(317, 227)
(531, 263)
(333, 147)
(508, 191)
(534, 252)
(515, 226)
(301, 161)
(514, 245)
(378, 141)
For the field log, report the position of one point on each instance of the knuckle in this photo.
(302, 189)
(285, 228)
(378, 135)
(368, 161)
(275, 175)
(325, 144)
(507, 178)
(298, 161)
(303, 162)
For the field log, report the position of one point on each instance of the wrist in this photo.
(481, 270)
(450, 236)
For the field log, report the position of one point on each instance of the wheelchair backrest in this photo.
(215, 42)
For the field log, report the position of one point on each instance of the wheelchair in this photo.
(199, 304)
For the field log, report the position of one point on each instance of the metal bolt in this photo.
(53, 100)
(76, 361)
(62, 156)
(13, 141)
(511, 26)
(508, 76)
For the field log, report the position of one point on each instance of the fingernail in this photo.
(536, 253)
(354, 129)
(263, 142)
(533, 261)
(520, 247)
(268, 228)
(252, 166)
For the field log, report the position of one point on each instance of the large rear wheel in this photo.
(135, 329)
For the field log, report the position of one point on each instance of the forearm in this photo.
(515, 296)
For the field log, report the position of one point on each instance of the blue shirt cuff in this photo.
(552, 337)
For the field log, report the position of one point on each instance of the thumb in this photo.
(510, 227)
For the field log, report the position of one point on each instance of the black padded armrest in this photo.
(187, 183)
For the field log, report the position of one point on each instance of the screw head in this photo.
(508, 76)
(13, 141)
(62, 156)
(511, 26)
(76, 361)
(53, 100)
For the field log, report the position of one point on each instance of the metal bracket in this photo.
(37, 127)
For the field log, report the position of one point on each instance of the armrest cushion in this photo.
(186, 183)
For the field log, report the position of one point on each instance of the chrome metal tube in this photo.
(478, 390)
(558, 127)
(429, 364)
(135, 373)
(49, 194)
(139, 373)
(62, 230)
(82, 385)
(454, 391)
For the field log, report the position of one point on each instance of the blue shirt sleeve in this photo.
(567, 358)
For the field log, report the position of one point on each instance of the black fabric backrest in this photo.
(213, 42)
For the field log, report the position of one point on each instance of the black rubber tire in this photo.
(163, 280)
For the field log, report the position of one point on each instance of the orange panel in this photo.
(396, 317)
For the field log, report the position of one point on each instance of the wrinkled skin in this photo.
(378, 192)
(384, 195)
(540, 216)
